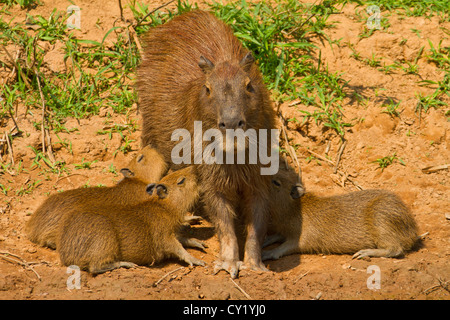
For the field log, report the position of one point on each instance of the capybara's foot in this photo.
(192, 243)
(230, 266)
(112, 266)
(185, 256)
(255, 266)
(273, 238)
(270, 254)
(189, 220)
(193, 261)
(283, 249)
(388, 253)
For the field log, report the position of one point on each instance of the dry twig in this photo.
(442, 285)
(166, 275)
(241, 290)
(435, 168)
(10, 150)
(19, 261)
(17, 68)
(338, 159)
(289, 147)
(43, 112)
(301, 277)
(151, 12)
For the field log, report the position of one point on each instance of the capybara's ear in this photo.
(161, 191)
(247, 62)
(297, 191)
(206, 65)
(127, 173)
(149, 189)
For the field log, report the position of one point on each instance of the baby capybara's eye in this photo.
(181, 180)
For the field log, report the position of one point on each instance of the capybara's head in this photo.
(147, 166)
(179, 188)
(230, 93)
(287, 185)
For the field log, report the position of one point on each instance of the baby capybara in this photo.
(368, 223)
(146, 167)
(104, 238)
(195, 69)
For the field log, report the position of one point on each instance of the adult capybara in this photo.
(146, 167)
(103, 238)
(368, 223)
(195, 69)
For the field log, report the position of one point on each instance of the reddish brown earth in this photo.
(422, 274)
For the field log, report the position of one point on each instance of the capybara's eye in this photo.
(181, 180)
(139, 159)
(276, 182)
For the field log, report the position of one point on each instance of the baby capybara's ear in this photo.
(149, 189)
(161, 191)
(127, 173)
(297, 191)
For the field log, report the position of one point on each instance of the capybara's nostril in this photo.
(150, 188)
(241, 124)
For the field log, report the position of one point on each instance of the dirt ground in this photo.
(421, 274)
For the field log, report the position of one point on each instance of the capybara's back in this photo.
(147, 166)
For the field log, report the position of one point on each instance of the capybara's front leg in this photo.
(223, 212)
(256, 217)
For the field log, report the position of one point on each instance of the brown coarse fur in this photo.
(195, 69)
(374, 223)
(147, 166)
(108, 237)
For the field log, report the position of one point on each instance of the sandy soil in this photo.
(422, 274)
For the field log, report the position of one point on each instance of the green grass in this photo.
(384, 162)
(279, 36)
(392, 109)
(412, 8)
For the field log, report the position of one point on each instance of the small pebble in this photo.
(31, 250)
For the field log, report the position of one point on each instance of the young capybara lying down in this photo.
(146, 167)
(104, 238)
(369, 223)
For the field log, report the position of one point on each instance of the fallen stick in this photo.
(289, 147)
(435, 168)
(321, 157)
(241, 290)
(151, 12)
(166, 275)
(19, 261)
(301, 277)
(338, 159)
(43, 112)
(10, 150)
